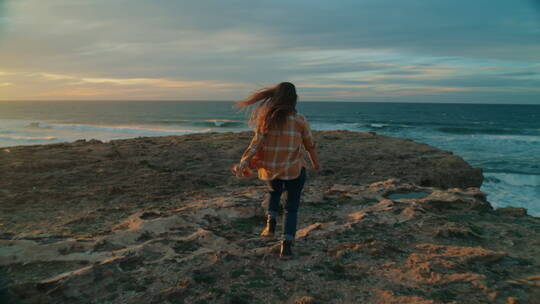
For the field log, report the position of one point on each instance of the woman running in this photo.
(277, 150)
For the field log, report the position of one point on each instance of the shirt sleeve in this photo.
(251, 149)
(307, 137)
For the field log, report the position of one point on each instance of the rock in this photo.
(385, 296)
(456, 231)
(151, 170)
(454, 200)
(306, 300)
(336, 188)
(511, 211)
(512, 300)
(155, 220)
(94, 141)
(289, 276)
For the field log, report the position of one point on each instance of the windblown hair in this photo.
(275, 105)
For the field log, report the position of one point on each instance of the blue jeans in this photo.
(294, 190)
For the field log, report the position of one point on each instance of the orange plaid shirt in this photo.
(280, 153)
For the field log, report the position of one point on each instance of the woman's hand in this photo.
(314, 159)
(241, 170)
(235, 169)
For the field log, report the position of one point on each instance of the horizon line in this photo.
(232, 101)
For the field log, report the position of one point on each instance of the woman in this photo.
(277, 150)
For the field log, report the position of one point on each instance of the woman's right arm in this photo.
(251, 149)
(314, 159)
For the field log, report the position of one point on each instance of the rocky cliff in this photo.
(162, 220)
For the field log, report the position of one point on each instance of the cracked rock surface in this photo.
(162, 220)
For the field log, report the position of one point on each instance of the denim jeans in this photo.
(294, 190)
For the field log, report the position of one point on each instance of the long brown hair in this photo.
(276, 104)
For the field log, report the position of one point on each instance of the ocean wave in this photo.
(171, 121)
(410, 123)
(378, 125)
(351, 126)
(414, 124)
(220, 123)
(385, 127)
(514, 179)
(510, 189)
(520, 138)
(490, 131)
(27, 138)
(210, 123)
(450, 126)
(114, 129)
(340, 124)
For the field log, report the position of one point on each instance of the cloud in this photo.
(152, 82)
(239, 45)
(42, 85)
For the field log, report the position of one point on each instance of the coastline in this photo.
(157, 167)
(91, 203)
(487, 137)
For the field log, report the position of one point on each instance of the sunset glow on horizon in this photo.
(370, 50)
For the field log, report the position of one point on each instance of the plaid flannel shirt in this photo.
(282, 152)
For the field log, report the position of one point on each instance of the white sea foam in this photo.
(378, 125)
(26, 138)
(220, 122)
(25, 132)
(136, 129)
(524, 138)
(352, 126)
(514, 179)
(512, 189)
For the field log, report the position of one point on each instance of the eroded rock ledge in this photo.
(161, 220)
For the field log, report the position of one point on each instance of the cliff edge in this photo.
(162, 220)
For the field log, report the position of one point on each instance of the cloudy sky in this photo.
(481, 51)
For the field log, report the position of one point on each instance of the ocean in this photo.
(504, 140)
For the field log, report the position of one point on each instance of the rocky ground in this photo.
(162, 220)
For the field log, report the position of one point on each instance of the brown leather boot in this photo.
(286, 250)
(270, 229)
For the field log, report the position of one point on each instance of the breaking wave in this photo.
(514, 179)
(491, 131)
(26, 138)
(137, 129)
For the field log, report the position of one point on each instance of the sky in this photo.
(481, 51)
